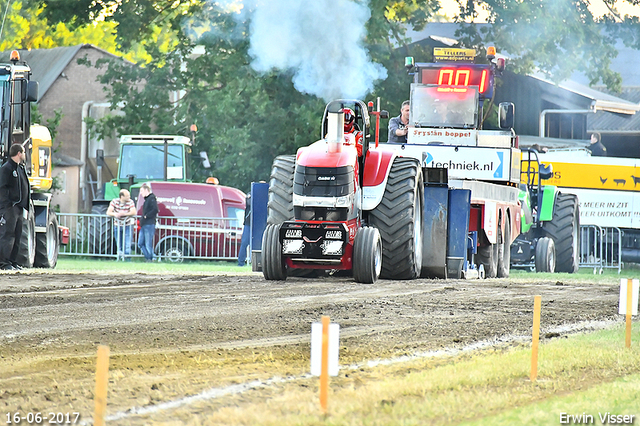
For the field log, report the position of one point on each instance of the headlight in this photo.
(292, 246)
(331, 248)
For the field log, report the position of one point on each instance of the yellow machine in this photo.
(41, 234)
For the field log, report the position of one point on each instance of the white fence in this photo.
(175, 238)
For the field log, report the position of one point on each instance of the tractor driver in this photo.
(351, 128)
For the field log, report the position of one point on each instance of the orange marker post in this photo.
(324, 365)
(627, 339)
(102, 376)
(537, 304)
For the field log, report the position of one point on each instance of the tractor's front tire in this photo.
(398, 218)
(367, 255)
(545, 255)
(48, 243)
(564, 228)
(273, 267)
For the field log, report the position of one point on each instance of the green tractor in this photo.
(142, 158)
(550, 222)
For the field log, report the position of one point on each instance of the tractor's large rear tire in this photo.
(545, 255)
(367, 255)
(398, 218)
(488, 257)
(27, 252)
(280, 205)
(273, 267)
(564, 228)
(100, 231)
(48, 243)
(504, 251)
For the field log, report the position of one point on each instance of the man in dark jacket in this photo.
(597, 148)
(147, 222)
(14, 206)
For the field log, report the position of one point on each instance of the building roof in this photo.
(618, 123)
(600, 101)
(47, 64)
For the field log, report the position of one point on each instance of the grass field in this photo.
(582, 375)
(95, 265)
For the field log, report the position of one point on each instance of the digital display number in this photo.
(467, 75)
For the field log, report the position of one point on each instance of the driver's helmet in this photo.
(349, 120)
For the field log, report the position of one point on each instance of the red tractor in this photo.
(343, 203)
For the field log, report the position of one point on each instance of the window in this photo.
(146, 162)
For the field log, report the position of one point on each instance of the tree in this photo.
(555, 37)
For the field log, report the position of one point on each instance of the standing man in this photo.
(123, 212)
(14, 203)
(597, 148)
(246, 231)
(398, 126)
(147, 222)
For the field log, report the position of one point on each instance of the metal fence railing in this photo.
(600, 248)
(175, 238)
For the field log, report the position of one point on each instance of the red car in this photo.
(197, 220)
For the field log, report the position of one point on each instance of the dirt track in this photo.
(174, 336)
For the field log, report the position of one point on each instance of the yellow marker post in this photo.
(102, 377)
(324, 365)
(627, 339)
(537, 304)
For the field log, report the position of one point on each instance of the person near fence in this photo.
(246, 232)
(14, 202)
(147, 222)
(123, 211)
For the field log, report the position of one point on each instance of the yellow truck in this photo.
(608, 190)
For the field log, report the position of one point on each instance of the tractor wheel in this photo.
(280, 205)
(564, 228)
(367, 255)
(273, 267)
(27, 251)
(545, 255)
(504, 251)
(48, 243)
(100, 231)
(398, 218)
(488, 257)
